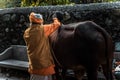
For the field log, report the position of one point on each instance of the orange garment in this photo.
(49, 28)
(38, 48)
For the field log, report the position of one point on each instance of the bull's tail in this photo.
(109, 50)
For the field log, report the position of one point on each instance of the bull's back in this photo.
(79, 44)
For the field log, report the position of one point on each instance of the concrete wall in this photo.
(14, 21)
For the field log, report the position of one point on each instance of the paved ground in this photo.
(8, 74)
(10, 78)
(11, 74)
(17, 75)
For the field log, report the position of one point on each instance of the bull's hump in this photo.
(74, 25)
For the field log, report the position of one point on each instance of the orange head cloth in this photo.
(35, 18)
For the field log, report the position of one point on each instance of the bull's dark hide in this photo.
(83, 44)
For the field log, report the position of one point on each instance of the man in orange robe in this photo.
(41, 64)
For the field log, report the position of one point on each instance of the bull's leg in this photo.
(79, 75)
(57, 74)
(107, 70)
(63, 73)
(60, 73)
(79, 72)
(92, 72)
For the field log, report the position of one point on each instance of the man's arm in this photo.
(49, 28)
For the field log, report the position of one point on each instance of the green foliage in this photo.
(10, 3)
(32, 3)
(59, 2)
(13, 3)
(44, 2)
(2, 4)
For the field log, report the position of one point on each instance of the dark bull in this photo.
(83, 44)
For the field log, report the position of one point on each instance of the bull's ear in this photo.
(66, 16)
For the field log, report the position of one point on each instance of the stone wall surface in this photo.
(14, 21)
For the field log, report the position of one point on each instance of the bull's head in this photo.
(62, 16)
